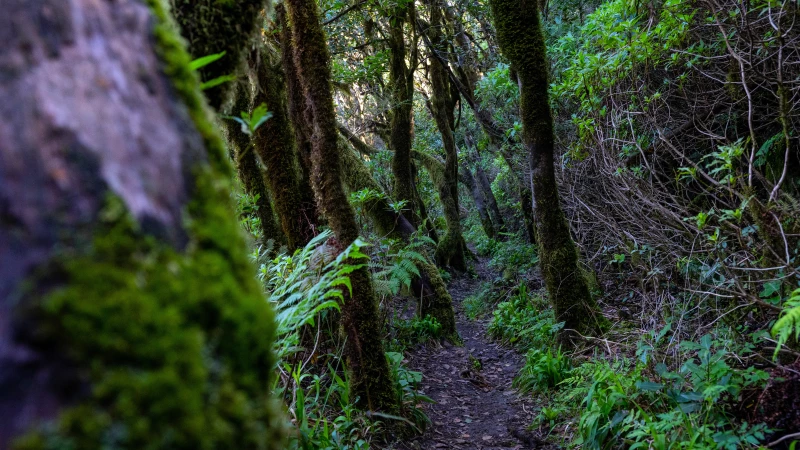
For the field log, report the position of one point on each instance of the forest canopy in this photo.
(352, 224)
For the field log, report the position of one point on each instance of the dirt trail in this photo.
(476, 406)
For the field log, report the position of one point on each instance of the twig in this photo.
(788, 436)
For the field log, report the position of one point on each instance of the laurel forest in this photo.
(399, 224)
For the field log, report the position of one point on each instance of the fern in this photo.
(398, 267)
(789, 322)
(300, 287)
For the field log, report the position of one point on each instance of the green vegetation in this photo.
(611, 187)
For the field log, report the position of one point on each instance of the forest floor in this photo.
(475, 406)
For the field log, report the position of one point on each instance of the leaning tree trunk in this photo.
(479, 199)
(521, 40)
(429, 287)
(450, 251)
(126, 292)
(369, 379)
(436, 169)
(486, 187)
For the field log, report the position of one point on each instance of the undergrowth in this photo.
(659, 394)
(305, 290)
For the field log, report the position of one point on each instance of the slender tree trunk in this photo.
(436, 169)
(426, 222)
(400, 137)
(301, 120)
(250, 173)
(370, 381)
(120, 252)
(480, 201)
(521, 40)
(450, 251)
(275, 145)
(491, 200)
(528, 216)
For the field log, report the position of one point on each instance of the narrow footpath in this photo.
(476, 406)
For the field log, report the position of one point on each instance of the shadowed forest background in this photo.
(352, 224)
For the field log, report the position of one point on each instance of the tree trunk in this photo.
(430, 288)
(274, 143)
(301, 120)
(213, 26)
(521, 40)
(126, 291)
(250, 173)
(400, 137)
(526, 202)
(436, 170)
(450, 251)
(369, 379)
(491, 200)
(480, 201)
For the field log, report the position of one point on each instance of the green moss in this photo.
(174, 345)
(215, 26)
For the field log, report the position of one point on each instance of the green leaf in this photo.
(205, 60)
(649, 386)
(216, 82)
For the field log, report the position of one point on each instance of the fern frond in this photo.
(789, 322)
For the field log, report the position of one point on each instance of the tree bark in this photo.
(400, 134)
(450, 251)
(301, 120)
(369, 379)
(519, 34)
(275, 145)
(120, 252)
(250, 173)
(479, 199)
(213, 26)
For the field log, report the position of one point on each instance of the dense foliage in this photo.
(627, 171)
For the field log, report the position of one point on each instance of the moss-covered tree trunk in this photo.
(478, 197)
(369, 379)
(521, 40)
(429, 288)
(275, 145)
(250, 173)
(401, 83)
(215, 26)
(129, 312)
(301, 120)
(451, 247)
(491, 201)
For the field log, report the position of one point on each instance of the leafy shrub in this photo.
(515, 259)
(524, 321)
(301, 286)
(406, 386)
(543, 370)
(409, 333)
(686, 408)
